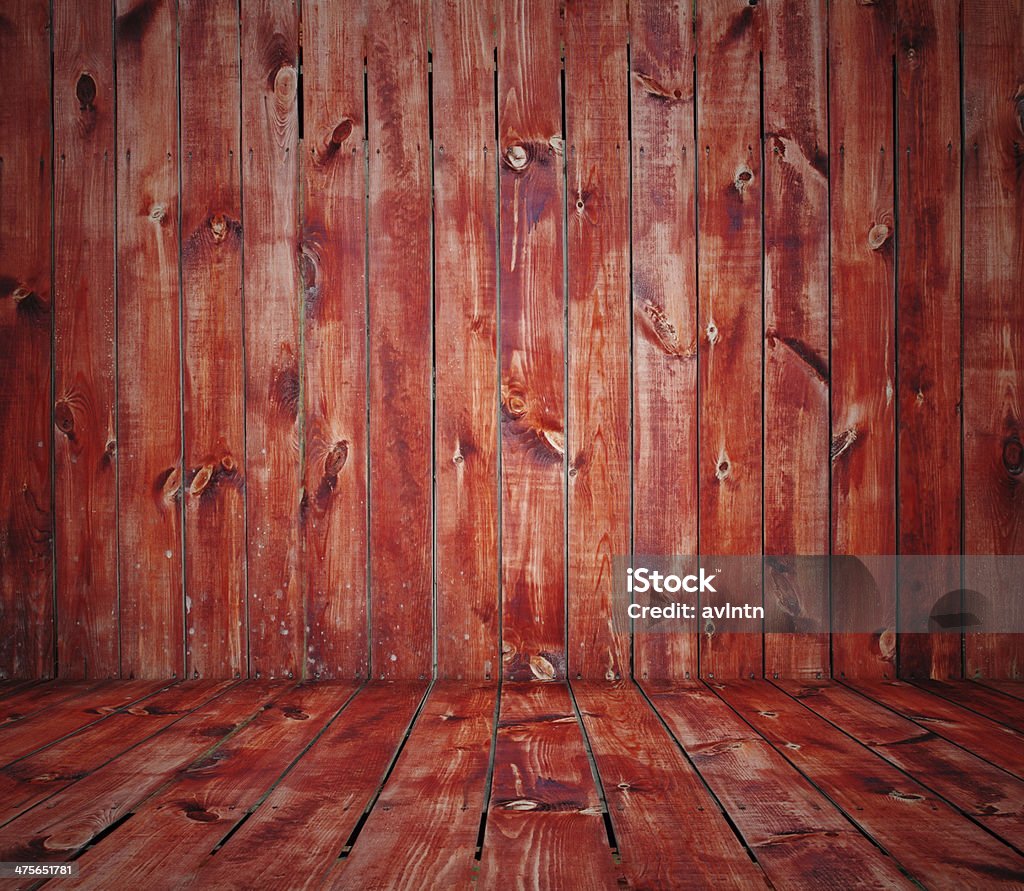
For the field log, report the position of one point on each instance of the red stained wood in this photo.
(465, 294)
(987, 794)
(1010, 688)
(796, 351)
(597, 250)
(69, 820)
(531, 195)
(900, 814)
(544, 825)
(423, 829)
(26, 570)
(928, 309)
(20, 704)
(993, 193)
(729, 316)
(669, 829)
(664, 244)
(85, 487)
(401, 572)
(334, 516)
(211, 268)
(863, 337)
(797, 835)
(269, 50)
(990, 703)
(322, 798)
(148, 341)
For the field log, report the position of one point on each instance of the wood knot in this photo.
(167, 485)
(157, 213)
(285, 83)
(744, 177)
(85, 91)
(200, 814)
(219, 227)
(878, 235)
(1013, 456)
(517, 156)
(515, 405)
(294, 713)
(557, 145)
(228, 464)
(336, 458)
(457, 457)
(64, 418)
(201, 480)
(722, 470)
(342, 132)
(712, 333)
(842, 443)
(910, 54)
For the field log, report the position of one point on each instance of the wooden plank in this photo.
(531, 193)
(797, 835)
(729, 316)
(148, 341)
(65, 823)
(989, 795)
(423, 830)
(270, 188)
(46, 727)
(664, 250)
(544, 826)
(211, 270)
(993, 267)
(898, 813)
(26, 564)
(863, 362)
(167, 836)
(597, 249)
(322, 798)
(990, 703)
(401, 572)
(1010, 688)
(465, 276)
(796, 353)
(996, 743)
(928, 337)
(669, 829)
(85, 482)
(333, 515)
(23, 703)
(39, 776)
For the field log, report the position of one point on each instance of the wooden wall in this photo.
(355, 338)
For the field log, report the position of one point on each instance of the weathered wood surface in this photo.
(862, 242)
(990, 703)
(22, 703)
(400, 316)
(333, 256)
(531, 195)
(466, 435)
(85, 480)
(1010, 688)
(664, 249)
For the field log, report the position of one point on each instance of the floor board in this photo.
(991, 704)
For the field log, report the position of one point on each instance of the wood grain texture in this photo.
(664, 245)
(401, 527)
(531, 199)
(990, 703)
(796, 352)
(597, 251)
(85, 478)
(211, 270)
(26, 560)
(324, 796)
(544, 826)
(863, 336)
(900, 814)
(730, 319)
(465, 301)
(423, 829)
(669, 829)
(19, 704)
(148, 341)
(270, 187)
(333, 256)
(797, 835)
(928, 309)
(993, 89)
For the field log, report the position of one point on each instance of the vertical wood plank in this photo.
(664, 244)
(928, 313)
(597, 134)
(271, 293)
(84, 367)
(465, 272)
(863, 301)
(796, 355)
(211, 269)
(531, 195)
(730, 314)
(994, 314)
(401, 574)
(148, 340)
(333, 512)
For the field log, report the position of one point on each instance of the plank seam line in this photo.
(182, 506)
(489, 782)
(52, 382)
(916, 683)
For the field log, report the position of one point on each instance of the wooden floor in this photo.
(406, 785)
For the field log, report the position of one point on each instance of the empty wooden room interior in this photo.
(350, 348)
